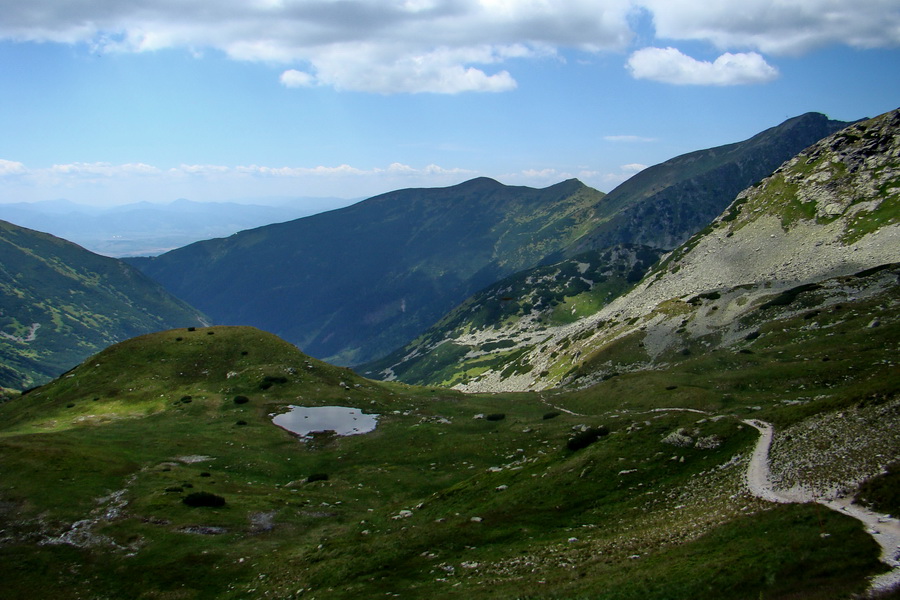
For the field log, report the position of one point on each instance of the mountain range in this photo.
(827, 214)
(715, 420)
(352, 285)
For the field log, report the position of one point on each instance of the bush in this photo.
(270, 380)
(204, 499)
(551, 415)
(495, 417)
(186, 399)
(241, 399)
(317, 477)
(882, 492)
(586, 438)
(241, 422)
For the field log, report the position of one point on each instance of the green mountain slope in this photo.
(661, 206)
(62, 303)
(824, 217)
(665, 204)
(471, 338)
(451, 496)
(352, 284)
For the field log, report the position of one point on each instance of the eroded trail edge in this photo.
(883, 528)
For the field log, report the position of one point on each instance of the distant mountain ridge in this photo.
(144, 228)
(665, 204)
(62, 303)
(352, 284)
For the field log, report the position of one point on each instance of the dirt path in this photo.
(884, 529)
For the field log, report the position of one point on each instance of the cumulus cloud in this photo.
(444, 46)
(11, 167)
(669, 65)
(779, 26)
(384, 46)
(293, 78)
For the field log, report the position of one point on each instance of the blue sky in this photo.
(110, 102)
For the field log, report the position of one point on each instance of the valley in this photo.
(571, 416)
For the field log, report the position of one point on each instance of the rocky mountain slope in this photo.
(62, 303)
(827, 214)
(462, 344)
(353, 284)
(664, 205)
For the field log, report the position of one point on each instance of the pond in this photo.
(304, 420)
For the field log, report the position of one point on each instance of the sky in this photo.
(108, 102)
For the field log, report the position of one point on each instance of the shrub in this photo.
(882, 492)
(174, 489)
(495, 417)
(241, 399)
(205, 474)
(241, 422)
(186, 399)
(270, 380)
(203, 499)
(586, 438)
(551, 415)
(317, 477)
(192, 329)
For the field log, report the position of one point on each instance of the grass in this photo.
(433, 503)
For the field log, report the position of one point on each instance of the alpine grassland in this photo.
(111, 482)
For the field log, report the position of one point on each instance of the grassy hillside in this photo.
(452, 495)
(60, 303)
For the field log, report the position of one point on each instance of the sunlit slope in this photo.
(821, 225)
(474, 337)
(448, 493)
(60, 303)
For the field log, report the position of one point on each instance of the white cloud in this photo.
(293, 78)
(383, 46)
(103, 169)
(779, 26)
(445, 46)
(10, 167)
(109, 183)
(669, 65)
(633, 168)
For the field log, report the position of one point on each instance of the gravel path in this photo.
(884, 529)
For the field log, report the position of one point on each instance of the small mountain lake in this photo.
(304, 420)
